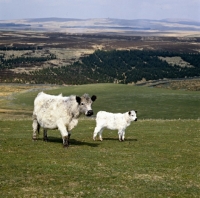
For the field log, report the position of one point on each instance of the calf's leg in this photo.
(100, 134)
(97, 130)
(120, 133)
(123, 135)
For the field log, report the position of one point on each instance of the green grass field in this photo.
(160, 157)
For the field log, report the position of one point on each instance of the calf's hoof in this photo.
(121, 139)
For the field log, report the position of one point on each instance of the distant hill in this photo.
(123, 66)
(100, 25)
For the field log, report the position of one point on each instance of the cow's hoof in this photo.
(45, 139)
(65, 145)
(65, 142)
(34, 138)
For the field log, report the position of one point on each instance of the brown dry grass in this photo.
(8, 93)
(176, 60)
(190, 85)
(6, 90)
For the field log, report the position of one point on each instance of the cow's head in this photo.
(85, 104)
(132, 115)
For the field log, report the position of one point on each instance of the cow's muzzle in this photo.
(135, 119)
(89, 113)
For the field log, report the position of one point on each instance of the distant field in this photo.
(151, 103)
(159, 158)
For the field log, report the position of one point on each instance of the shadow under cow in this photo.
(72, 142)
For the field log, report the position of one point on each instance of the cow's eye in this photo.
(82, 103)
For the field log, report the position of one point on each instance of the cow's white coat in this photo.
(113, 121)
(58, 112)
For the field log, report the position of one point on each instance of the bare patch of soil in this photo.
(176, 60)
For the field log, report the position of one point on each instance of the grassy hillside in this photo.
(159, 158)
(151, 103)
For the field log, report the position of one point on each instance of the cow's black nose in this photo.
(135, 119)
(89, 113)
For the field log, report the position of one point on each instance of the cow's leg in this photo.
(36, 128)
(64, 133)
(69, 135)
(70, 126)
(45, 138)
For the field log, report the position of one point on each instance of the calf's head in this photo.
(132, 115)
(85, 104)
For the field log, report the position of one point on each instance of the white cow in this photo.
(113, 121)
(58, 112)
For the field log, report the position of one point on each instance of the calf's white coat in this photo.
(113, 121)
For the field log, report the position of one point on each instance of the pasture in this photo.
(160, 156)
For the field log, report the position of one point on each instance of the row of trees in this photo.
(117, 66)
(20, 61)
(19, 48)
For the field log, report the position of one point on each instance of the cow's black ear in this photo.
(135, 111)
(129, 113)
(78, 100)
(93, 98)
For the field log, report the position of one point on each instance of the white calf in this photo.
(113, 121)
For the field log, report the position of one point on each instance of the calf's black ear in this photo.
(93, 98)
(129, 113)
(135, 111)
(78, 100)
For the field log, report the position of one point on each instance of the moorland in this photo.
(160, 155)
(159, 158)
(61, 58)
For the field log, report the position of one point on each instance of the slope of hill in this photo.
(124, 66)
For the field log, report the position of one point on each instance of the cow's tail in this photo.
(36, 126)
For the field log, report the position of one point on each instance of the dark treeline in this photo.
(125, 66)
(20, 61)
(19, 48)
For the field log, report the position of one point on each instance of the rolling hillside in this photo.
(124, 66)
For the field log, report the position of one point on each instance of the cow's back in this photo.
(48, 109)
(46, 102)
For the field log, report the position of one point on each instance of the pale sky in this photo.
(85, 9)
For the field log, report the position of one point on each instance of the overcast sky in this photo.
(84, 9)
